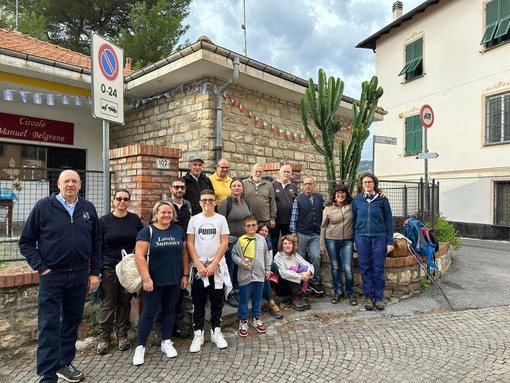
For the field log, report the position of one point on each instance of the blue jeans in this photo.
(311, 245)
(61, 301)
(371, 259)
(340, 254)
(232, 267)
(252, 290)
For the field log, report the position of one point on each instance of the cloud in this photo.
(298, 36)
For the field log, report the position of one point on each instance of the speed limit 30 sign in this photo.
(107, 80)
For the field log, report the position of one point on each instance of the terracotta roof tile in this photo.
(19, 42)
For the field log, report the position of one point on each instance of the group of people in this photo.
(217, 234)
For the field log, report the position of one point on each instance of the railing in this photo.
(35, 184)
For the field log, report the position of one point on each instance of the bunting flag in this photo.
(8, 95)
(39, 98)
(183, 89)
(23, 96)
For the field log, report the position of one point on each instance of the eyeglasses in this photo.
(120, 199)
(368, 182)
(308, 184)
(251, 225)
(207, 200)
(224, 167)
(340, 192)
(179, 187)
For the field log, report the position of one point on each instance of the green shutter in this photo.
(414, 55)
(413, 135)
(491, 21)
(503, 27)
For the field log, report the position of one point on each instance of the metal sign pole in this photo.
(106, 166)
(426, 150)
(373, 153)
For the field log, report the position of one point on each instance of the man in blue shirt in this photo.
(305, 222)
(62, 241)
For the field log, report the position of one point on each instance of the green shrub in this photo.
(446, 232)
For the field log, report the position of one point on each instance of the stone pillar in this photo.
(144, 170)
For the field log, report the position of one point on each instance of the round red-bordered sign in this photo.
(426, 116)
(108, 62)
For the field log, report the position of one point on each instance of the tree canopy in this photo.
(147, 30)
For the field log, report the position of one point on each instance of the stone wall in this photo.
(403, 276)
(18, 307)
(255, 128)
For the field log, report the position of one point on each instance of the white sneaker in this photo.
(218, 339)
(168, 348)
(139, 357)
(197, 342)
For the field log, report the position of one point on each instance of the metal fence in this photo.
(16, 205)
(407, 199)
(416, 199)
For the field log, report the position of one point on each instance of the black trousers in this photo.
(199, 295)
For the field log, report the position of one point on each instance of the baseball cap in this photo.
(195, 157)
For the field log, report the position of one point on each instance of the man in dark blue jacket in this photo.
(196, 181)
(62, 241)
(305, 222)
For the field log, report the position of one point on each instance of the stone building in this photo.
(174, 103)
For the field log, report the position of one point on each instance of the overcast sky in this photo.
(299, 36)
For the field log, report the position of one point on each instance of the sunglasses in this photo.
(207, 200)
(120, 199)
(251, 225)
(179, 187)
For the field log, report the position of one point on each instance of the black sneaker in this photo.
(369, 304)
(70, 373)
(298, 305)
(315, 289)
(379, 305)
(232, 300)
(180, 330)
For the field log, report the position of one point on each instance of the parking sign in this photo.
(107, 80)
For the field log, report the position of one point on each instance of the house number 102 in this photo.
(162, 163)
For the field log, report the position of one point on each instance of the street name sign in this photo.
(385, 140)
(427, 156)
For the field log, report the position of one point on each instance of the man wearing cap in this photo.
(196, 181)
(221, 181)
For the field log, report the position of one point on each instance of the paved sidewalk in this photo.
(414, 340)
(325, 346)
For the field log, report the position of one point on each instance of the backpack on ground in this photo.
(127, 272)
(423, 240)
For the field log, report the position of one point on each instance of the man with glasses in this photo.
(195, 182)
(183, 210)
(285, 191)
(221, 180)
(305, 222)
(260, 195)
(207, 242)
(62, 241)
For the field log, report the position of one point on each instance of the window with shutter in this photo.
(413, 136)
(497, 23)
(413, 67)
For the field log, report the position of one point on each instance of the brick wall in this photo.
(134, 169)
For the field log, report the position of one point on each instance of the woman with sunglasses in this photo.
(119, 230)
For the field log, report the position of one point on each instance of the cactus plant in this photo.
(321, 103)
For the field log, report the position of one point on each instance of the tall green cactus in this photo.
(321, 103)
